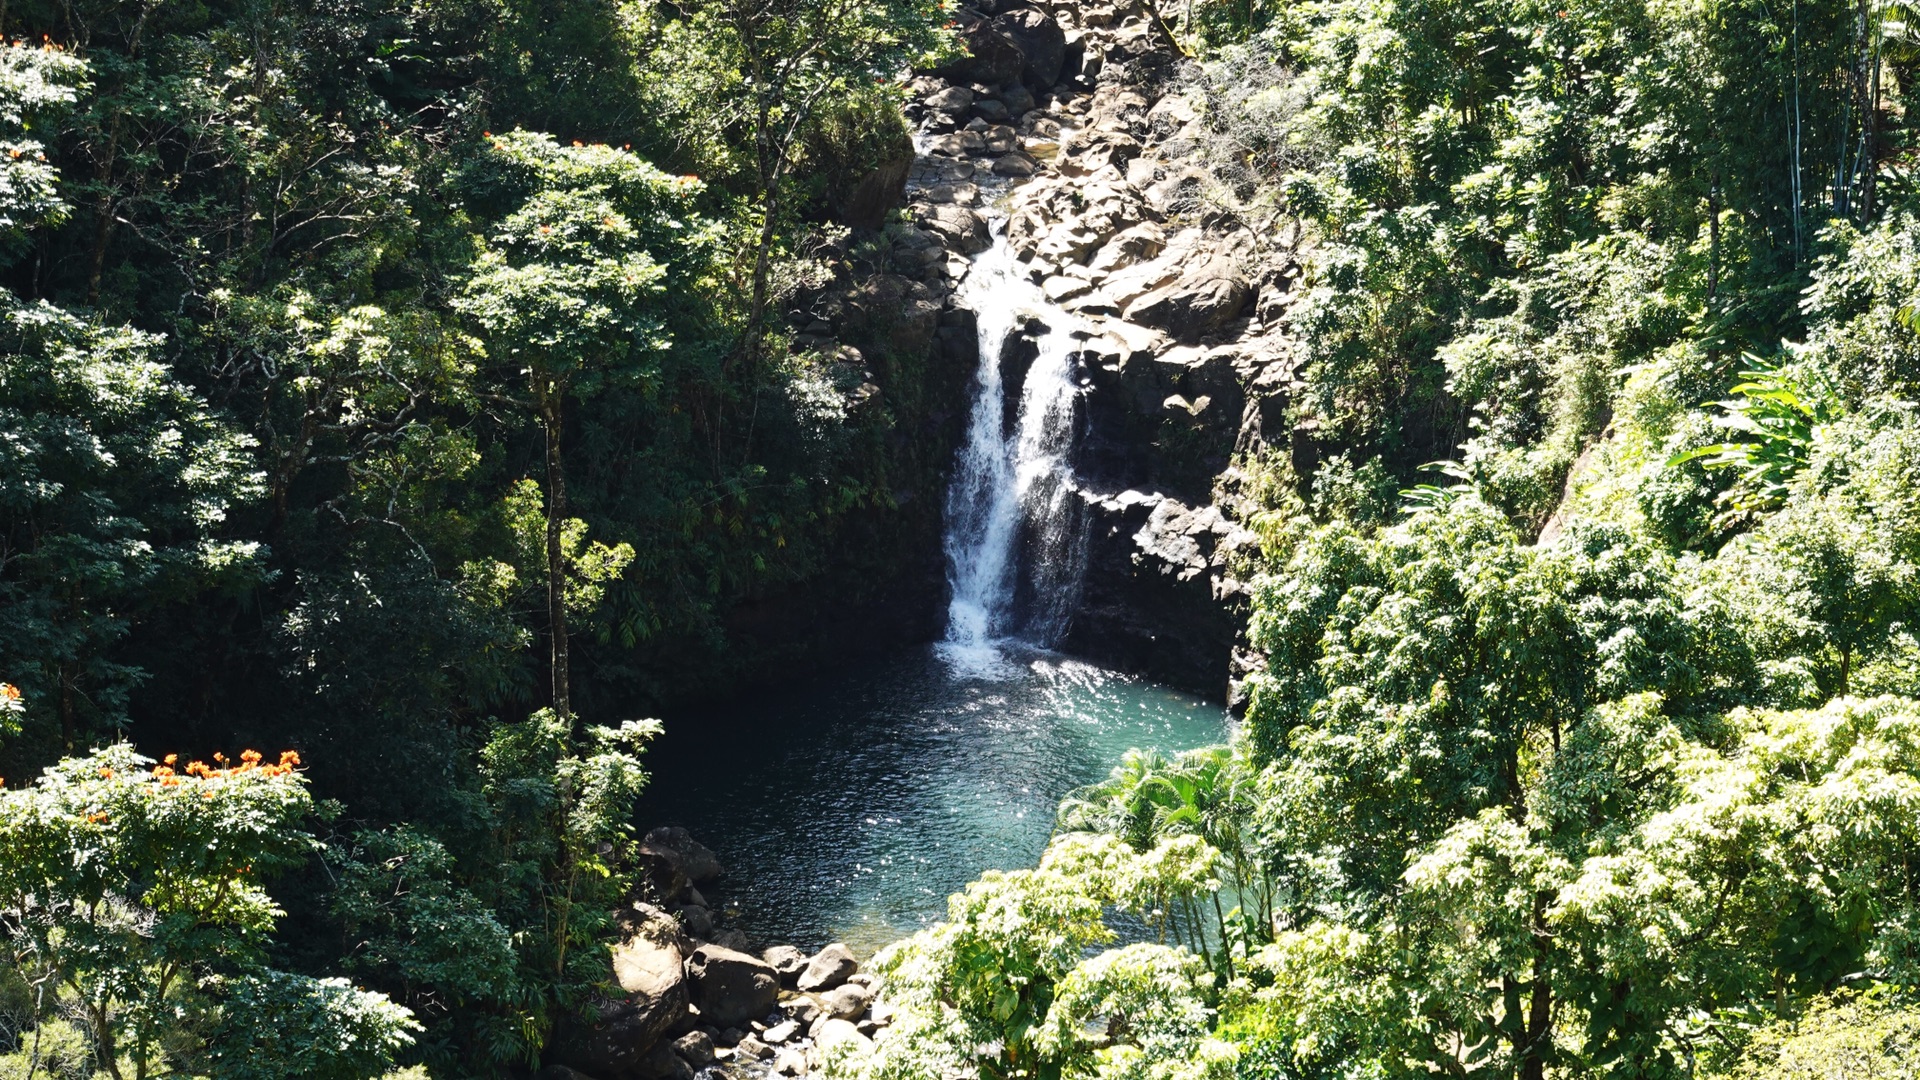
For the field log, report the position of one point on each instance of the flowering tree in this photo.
(133, 889)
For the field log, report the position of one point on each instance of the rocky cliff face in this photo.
(1068, 122)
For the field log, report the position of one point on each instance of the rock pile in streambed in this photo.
(696, 1000)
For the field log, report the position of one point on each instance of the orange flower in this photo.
(171, 759)
(106, 774)
(251, 757)
(289, 757)
(8, 691)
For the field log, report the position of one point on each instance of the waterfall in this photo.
(1014, 544)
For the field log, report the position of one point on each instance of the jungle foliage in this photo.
(1588, 749)
(369, 372)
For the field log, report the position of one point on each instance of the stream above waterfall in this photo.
(849, 808)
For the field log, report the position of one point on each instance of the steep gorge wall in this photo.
(1068, 126)
(1178, 312)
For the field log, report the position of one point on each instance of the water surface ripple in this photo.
(849, 809)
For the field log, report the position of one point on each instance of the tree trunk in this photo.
(762, 261)
(1538, 1034)
(552, 417)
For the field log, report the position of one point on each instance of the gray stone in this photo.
(696, 860)
(695, 1048)
(1041, 43)
(781, 1032)
(804, 1009)
(1015, 164)
(828, 968)
(846, 1001)
(1018, 100)
(786, 961)
(835, 1038)
(731, 987)
(753, 1048)
(961, 228)
(991, 111)
(954, 99)
(958, 144)
(647, 967)
(1206, 296)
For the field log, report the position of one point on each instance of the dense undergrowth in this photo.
(1592, 749)
(329, 415)
(367, 370)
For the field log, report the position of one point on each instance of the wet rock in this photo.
(999, 139)
(828, 968)
(731, 987)
(753, 1049)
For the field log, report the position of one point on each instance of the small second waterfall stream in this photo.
(1015, 542)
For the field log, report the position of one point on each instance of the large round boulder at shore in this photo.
(730, 988)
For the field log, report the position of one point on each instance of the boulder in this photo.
(699, 863)
(1016, 164)
(647, 967)
(958, 144)
(787, 962)
(988, 53)
(1041, 43)
(697, 920)
(835, 1039)
(865, 203)
(1018, 100)
(993, 112)
(846, 1001)
(1207, 295)
(828, 968)
(661, 1063)
(695, 1048)
(960, 227)
(953, 99)
(731, 987)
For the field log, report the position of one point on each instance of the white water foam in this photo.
(1012, 493)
